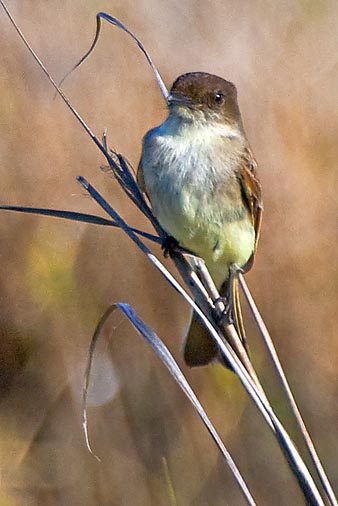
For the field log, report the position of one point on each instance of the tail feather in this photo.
(199, 347)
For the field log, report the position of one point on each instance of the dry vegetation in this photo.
(57, 277)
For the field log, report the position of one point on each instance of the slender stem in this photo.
(288, 393)
(75, 216)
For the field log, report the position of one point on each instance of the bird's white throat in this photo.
(196, 129)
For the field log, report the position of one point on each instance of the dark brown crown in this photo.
(206, 92)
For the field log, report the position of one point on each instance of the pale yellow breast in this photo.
(201, 228)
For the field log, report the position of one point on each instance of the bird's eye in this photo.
(219, 97)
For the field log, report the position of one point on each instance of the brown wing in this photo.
(140, 178)
(252, 194)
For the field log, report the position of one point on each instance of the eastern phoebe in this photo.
(199, 174)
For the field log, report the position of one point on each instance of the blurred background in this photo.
(58, 277)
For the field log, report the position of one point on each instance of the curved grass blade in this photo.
(167, 359)
(116, 22)
(59, 91)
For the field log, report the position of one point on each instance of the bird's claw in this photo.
(169, 245)
(225, 315)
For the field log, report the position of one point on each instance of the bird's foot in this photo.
(169, 245)
(226, 303)
(224, 306)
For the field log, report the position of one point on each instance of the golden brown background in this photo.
(57, 277)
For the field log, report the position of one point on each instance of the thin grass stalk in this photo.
(288, 392)
(75, 216)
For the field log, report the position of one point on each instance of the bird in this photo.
(199, 173)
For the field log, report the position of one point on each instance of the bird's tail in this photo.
(199, 347)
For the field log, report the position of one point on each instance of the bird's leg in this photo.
(227, 315)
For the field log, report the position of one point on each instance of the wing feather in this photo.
(140, 178)
(252, 194)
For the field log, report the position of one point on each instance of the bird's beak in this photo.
(178, 100)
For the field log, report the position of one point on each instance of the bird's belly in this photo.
(219, 232)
